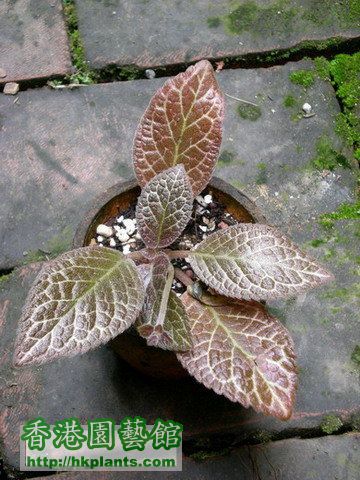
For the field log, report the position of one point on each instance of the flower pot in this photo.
(129, 345)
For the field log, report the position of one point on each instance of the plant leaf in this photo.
(164, 207)
(163, 322)
(145, 272)
(79, 301)
(182, 124)
(243, 353)
(253, 261)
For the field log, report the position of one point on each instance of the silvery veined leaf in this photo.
(254, 261)
(163, 321)
(79, 301)
(164, 207)
(243, 353)
(182, 125)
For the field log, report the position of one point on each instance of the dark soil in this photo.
(207, 217)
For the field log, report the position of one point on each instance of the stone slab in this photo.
(33, 40)
(325, 458)
(62, 148)
(157, 33)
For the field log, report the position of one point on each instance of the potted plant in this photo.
(186, 271)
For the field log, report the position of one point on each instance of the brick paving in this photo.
(156, 33)
(33, 40)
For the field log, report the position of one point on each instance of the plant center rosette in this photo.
(197, 294)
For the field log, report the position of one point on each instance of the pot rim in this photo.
(125, 185)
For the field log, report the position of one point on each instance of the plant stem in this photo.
(137, 255)
(182, 277)
(166, 293)
(172, 254)
(241, 100)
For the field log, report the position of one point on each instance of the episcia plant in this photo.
(219, 329)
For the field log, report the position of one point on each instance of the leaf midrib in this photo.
(220, 324)
(184, 124)
(246, 354)
(93, 285)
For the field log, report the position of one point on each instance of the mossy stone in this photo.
(289, 101)
(226, 156)
(249, 112)
(355, 356)
(331, 424)
(213, 22)
(327, 158)
(305, 78)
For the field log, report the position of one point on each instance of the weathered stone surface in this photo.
(33, 40)
(62, 148)
(156, 33)
(326, 458)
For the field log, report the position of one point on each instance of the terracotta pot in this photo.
(129, 345)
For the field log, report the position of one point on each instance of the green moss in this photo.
(281, 16)
(348, 128)
(346, 211)
(322, 67)
(83, 74)
(345, 70)
(61, 243)
(259, 20)
(295, 117)
(325, 321)
(355, 356)
(355, 422)
(317, 242)
(350, 13)
(5, 277)
(316, 13)
(226, 157)
(331, 424)
(203, 455)
(129, 72)
(328, 12)
(327, 158)
(249, 112)
(242, 17)
(275, 56)
(336, 310)
(34, 256)
(318, 45)
(345, 294)
(345, 74)
(289, 101)
(55, 246)
(213, 22)
(325, 222)
(305, 78)
(262, 436)
(261, 177)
